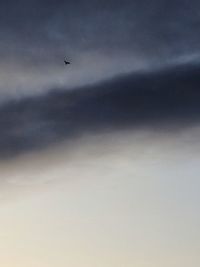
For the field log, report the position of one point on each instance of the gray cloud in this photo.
(102, 38)
(150, 28)
(162, 100)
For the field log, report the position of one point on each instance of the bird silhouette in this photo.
(66, 62)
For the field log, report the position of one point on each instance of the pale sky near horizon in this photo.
(110, 201)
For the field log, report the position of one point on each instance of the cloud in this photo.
(166, 99)
(107, 25)
(102, 38)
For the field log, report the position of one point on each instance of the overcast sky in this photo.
(99, 160)
(100, 38)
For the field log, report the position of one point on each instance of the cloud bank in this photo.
(162, 100)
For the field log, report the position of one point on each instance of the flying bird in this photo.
(66, 62)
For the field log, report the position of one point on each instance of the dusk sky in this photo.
(99, 159)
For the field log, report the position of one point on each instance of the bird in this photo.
(66, 62)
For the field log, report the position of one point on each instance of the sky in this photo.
(99, 159)
(101, 38)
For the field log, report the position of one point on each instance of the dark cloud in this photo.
(38, 34)
(101, 38)
(157, 29)
(167, 99)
